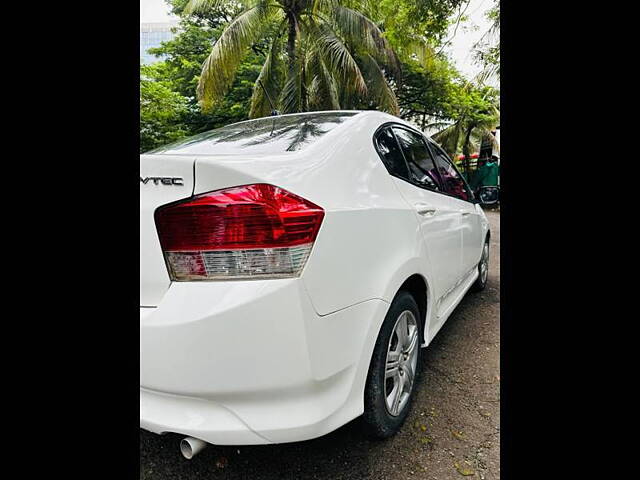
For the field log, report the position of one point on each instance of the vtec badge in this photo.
(179, 181)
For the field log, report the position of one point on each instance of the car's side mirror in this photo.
(488, 196)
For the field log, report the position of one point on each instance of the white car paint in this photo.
(279, 360)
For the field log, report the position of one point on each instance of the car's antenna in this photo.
(274, 112)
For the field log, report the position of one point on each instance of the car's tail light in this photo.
(251, 231)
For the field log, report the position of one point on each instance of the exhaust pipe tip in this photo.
(190, 447)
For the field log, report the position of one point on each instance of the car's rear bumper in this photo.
(252, 362)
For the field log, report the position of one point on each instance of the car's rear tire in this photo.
(483, 269)
(391, 383)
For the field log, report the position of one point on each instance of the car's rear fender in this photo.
(410, 268)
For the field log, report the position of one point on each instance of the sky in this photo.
(467, 35)
(154, 11)
(462, 42)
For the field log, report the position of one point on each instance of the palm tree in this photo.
(321, 55)
(474, 121)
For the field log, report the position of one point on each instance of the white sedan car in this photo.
(291, 269)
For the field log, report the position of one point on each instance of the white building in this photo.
(151, 36)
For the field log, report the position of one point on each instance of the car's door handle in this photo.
(465, 213)
(424, 209)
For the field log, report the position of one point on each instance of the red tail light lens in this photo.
(242, 232)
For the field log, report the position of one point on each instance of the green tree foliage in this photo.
(475, 113)
(412, 25)
(161, 110)
(418, 83)
(185, 55)
(180, 70)
(426, 95)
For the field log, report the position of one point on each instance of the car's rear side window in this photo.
(452, 179)
(391, 155)
(423, 169)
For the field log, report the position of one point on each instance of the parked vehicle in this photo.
(291, 269)
(486, 179)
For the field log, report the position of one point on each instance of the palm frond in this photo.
(379, 90)
(488, 73)
(337, 58)
(320, 6)
(449, 138)
(482, 136)
(323, 92)
(440, 124)
(292, 98)
(271, 78)
(360, 32)
(419, 50)
(218, 70)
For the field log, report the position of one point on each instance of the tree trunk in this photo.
(291, 40)
(291, 51)
(466, 152)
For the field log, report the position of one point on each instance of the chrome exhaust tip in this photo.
(190, 447)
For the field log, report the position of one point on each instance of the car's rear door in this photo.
(415, 176)
(462, 198)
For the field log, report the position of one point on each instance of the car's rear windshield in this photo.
(288, 133)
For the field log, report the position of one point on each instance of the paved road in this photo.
(453, 430)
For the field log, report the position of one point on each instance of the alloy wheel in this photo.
(484, 263)
(401, 363)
